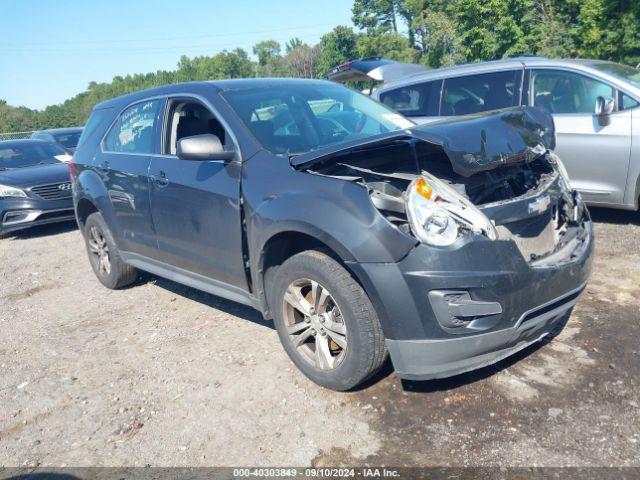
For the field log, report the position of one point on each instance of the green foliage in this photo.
(388, 45)
(433, 32)
(293, 43)
(301, 60)
(453, 31)
(376, 16)
(336, 47)
(269, 58)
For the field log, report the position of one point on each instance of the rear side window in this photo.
(419, 100)
(480, 93)
(133, 130)
(97, 118)
(68, 140)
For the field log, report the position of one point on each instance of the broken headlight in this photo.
(438, 215)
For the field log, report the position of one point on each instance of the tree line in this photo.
(432, 32)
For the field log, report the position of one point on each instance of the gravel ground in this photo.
(160, 374)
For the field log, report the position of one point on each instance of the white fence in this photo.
(15, 135)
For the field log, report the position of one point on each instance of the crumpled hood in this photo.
(476, 143)
(473, 143)
(33, 176)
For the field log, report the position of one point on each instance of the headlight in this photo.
(7, 191)
(562, 170)
(438, 215)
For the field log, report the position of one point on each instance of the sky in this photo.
(51, 49)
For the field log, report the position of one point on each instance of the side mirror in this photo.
(203, 147)
(604, 108)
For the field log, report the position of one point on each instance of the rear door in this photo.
(596, 156)
(195, 205)
(123, 163)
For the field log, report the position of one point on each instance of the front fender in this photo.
(278, 199)
(339, 213)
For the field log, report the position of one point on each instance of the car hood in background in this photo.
(374, 69)
(37, 175)
(473, 143)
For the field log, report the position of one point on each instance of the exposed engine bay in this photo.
(524, 194)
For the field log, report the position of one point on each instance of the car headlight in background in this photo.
(438, 215)
(7, 191)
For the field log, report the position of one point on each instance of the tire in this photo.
(341, 362)
(115, 273)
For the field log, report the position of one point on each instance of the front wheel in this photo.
(104, 256)
(326, 322)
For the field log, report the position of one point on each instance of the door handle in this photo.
(161, 179)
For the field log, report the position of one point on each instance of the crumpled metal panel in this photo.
(473, 143)
(486, 141)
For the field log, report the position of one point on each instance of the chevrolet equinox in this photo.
(446, 247)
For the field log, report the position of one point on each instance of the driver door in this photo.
(195, 205)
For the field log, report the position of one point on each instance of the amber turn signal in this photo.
(424, 189)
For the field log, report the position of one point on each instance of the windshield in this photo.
(624, 72)
(28, 154)
(294, 119)
(69, 140)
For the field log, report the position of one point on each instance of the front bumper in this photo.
(533, 299)
(20, 213)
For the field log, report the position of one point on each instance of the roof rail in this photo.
(515, 57)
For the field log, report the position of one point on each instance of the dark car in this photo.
(447, 246)
(66, 138)
(35, 187)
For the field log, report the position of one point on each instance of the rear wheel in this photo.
(326, 322)
(104, 256)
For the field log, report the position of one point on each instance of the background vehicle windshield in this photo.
(299, 118)
(28, 154)
(69, 140)
(624, 72)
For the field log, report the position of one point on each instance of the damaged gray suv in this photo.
(446, 247)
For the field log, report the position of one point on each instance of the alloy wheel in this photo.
(99, 250)
(314, 324)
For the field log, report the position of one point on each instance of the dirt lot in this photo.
(162, 374)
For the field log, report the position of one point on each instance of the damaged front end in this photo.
(492, 175)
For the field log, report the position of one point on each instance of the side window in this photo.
(96, 119)
(187, 118)
(480, 93)
(419, 100)
(625, 102)
(133, 130)
(557, 91)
